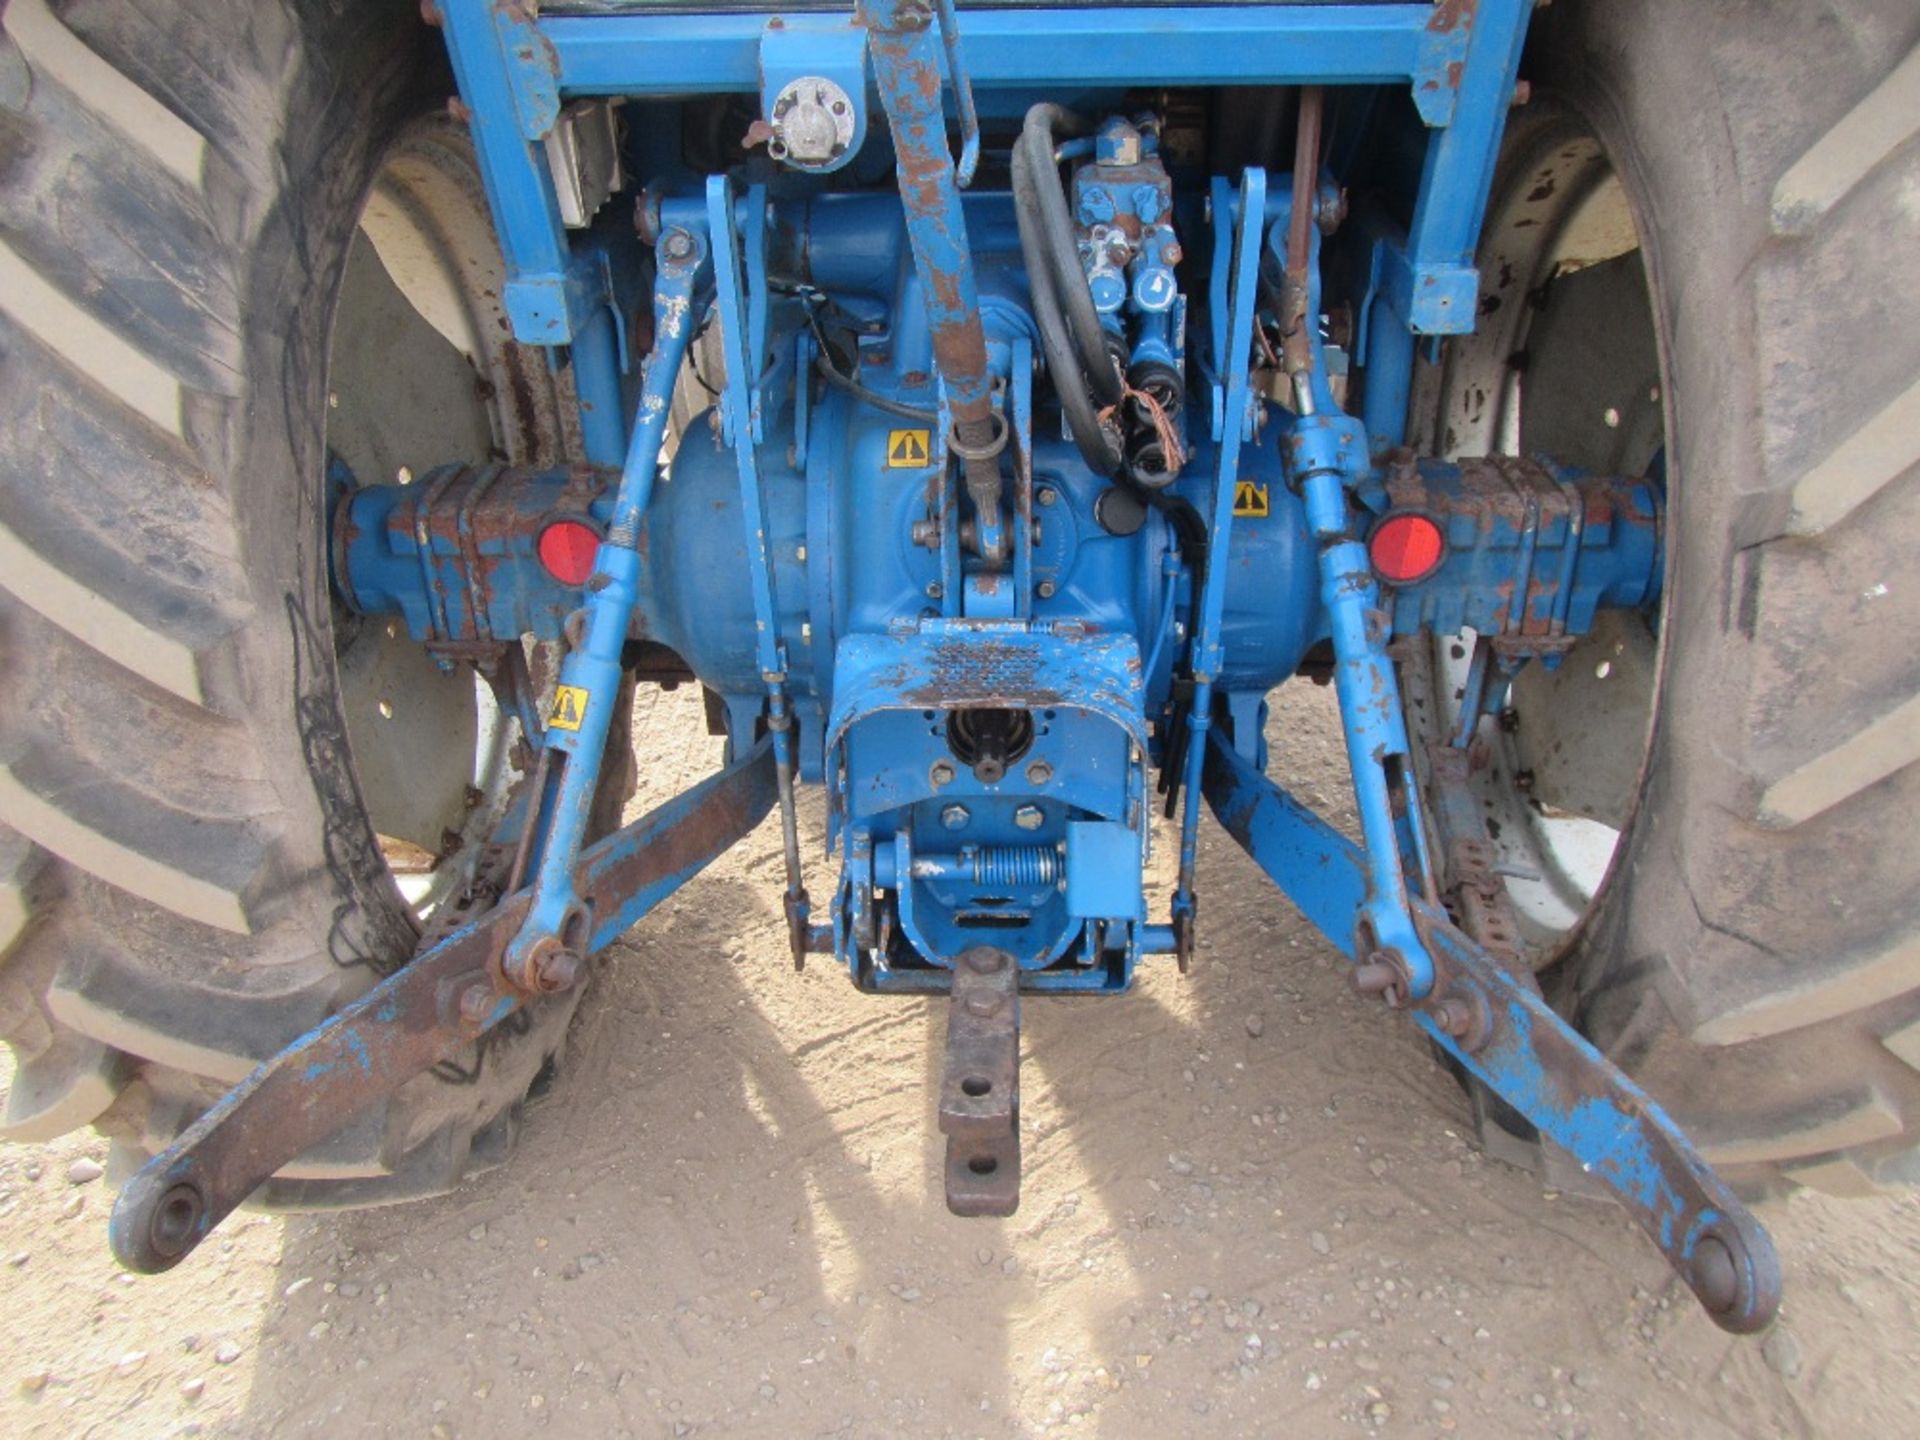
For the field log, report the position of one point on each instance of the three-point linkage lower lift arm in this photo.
(1379, 901)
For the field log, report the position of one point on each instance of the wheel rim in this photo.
(421, 370)
(1565, 363)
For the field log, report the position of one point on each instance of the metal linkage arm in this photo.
(906, 70)
(544, 956)
(431, 1010)
(770, 653)
(1510, 1038)
(1233, 366)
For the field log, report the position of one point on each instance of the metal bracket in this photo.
(980, 1091)
(813, 91)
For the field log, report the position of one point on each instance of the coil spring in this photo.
(1013, 865)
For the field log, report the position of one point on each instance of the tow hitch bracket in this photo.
(980, 1092)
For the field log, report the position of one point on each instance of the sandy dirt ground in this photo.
(1249, 1209)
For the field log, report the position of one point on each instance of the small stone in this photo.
(16, 1261)
(130, 1362)
(297, 1286)
(34, 1172)
(1781, 1352)
(1179, 1166)
(1585, 1380)
(75, 1204)
(1321, 1245)
(84, 1171)
(34, 1381)
(349, 1289)
(1010, 1266)
(226, 1353)
(192, 1386)
(319, 1329)
(983, 1255)
(768, 1392)
(478, 1232)
(1379, 1412)
(1256, 1026)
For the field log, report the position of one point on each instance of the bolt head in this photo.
(1046, 495)
(1029, 817)
(1039, 773)
(941, 773)
(955, 817)
(1048, 589)
(476, 1003)
(553, 968)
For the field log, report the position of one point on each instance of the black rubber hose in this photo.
(1099, 446)
(1043, 123)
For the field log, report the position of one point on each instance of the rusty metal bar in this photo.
(431, 1010)
(980, 1089)
(906, 59)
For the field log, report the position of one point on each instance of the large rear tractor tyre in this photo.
(191, 873)
(1745, 938)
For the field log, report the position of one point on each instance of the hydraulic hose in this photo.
(1056, 241)
(1099, 445)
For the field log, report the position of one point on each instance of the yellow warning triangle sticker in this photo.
(908, 448)
(1250, 499)
(569, 708)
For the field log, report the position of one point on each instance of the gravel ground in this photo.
(1249, 1209)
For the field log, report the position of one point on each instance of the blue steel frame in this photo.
(1458, 60)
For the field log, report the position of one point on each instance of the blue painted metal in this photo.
(828, 47)
(590, 675)
(695, 596)
(1062, 49)
(1433, 282)
(1232, 363)
(551, 295)
(906, 71)
(1501, 1031)
(971, 858)
(1123, 211)
(741, 332)
(962, 95)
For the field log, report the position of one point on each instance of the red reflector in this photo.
(1405, 548)
(567, 549)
